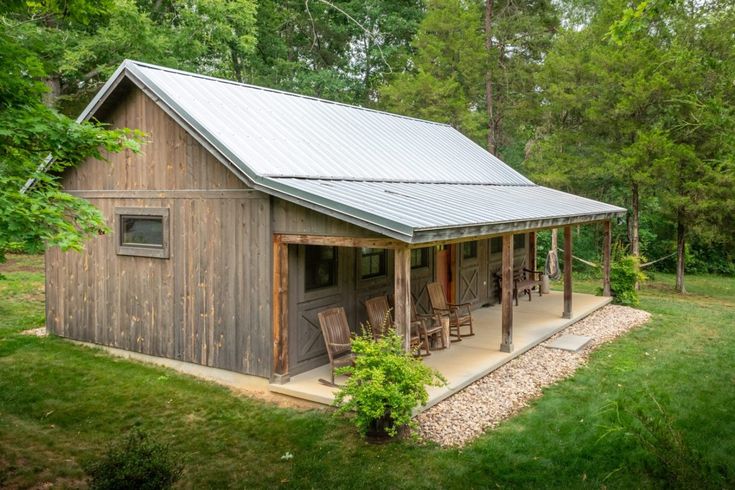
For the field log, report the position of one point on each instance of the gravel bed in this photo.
(502, 393)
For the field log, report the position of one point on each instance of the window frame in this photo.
(518, 238)
(335, 260)
(474, 246)
(156, 252)
(425, 258)
(382, 262)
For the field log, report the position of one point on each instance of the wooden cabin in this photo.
(250, 210)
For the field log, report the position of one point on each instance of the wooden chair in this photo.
(431, 324)
(380, 318)
(459, 315)
(337, 337)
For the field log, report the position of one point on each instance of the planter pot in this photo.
(377, 433)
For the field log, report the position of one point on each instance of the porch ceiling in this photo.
(474, 357)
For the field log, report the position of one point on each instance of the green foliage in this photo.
(625, 274)
(385, 384)
(29, 133)
(668, 456)
(137, 462)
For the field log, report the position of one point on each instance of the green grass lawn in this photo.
(654, 409)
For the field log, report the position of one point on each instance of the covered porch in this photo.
(474, 357)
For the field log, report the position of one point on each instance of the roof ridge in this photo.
(282, 92)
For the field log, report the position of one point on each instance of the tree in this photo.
(517, 35)
(30, 132)
(446, 82)
(650, 115)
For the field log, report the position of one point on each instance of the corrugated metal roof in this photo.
(277, 134)
(422, 207)
(399, 176)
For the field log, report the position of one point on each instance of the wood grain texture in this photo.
(506, 343)
(280, 308)
(402, 294)
(210, 301)
(567, 272)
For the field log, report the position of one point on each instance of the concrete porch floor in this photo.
(469, 360)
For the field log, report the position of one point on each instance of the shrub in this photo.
(625, 273)
(385, 384)
(136, 462)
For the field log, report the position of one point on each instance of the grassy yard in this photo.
(654, 409)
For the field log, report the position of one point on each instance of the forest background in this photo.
(628, 102)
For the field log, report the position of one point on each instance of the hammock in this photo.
(552, 266)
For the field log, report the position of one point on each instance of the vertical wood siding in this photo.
(209, 303)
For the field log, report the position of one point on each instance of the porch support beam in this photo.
(340, 241)
(506, 300)
(606, 249)
(567, 272)
(280, 311)
(402, 294)
(531, 260)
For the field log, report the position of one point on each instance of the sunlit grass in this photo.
(60, 404)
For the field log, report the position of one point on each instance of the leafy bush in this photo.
(137, 462)
(625, 273)
(385, 384)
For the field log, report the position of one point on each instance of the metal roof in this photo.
(396, 175)
(414, 208)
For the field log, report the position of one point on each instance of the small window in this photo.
(142, 232)
(469, 250)
(496, 245)
(372, 263)
(419, 258)
(519, 241)
(321, 267)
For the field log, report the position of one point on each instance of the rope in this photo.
(657, 260)
(592, 264)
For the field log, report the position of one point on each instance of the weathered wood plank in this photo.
(280, 310)
(402, 294)
(567, 272)
(340, 241)
(506, 343)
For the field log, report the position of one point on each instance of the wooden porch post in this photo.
(606, 246)
(506, 344)
(567, 272)
(280, 311)
(531, 260)
(402, 294)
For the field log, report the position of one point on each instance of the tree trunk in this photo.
(635, 246)
(54, 90)
(681, 254)
(492, 143)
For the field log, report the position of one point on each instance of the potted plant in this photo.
(384, 385)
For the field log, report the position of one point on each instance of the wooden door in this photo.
(469, 264)
(422, 273)
(311, 292)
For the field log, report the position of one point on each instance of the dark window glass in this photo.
(140, 231)
(519, 241)
(469, 250)
(419, 258)
(372, 262)
(496, 245)
(321, 267)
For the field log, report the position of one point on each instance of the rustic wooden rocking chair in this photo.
(380, 318)
(431, 324)
(337, 337)
(459, 315)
